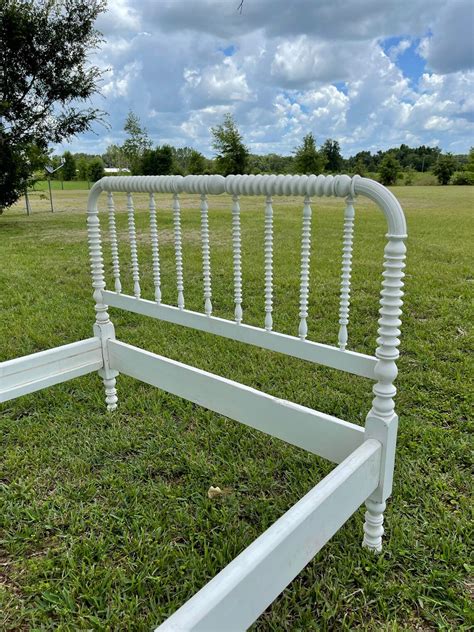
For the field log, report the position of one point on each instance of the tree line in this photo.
(138, 156)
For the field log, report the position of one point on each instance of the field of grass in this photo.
(105, 519)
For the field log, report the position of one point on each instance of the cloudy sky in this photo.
(370, 73)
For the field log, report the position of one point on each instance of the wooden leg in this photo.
(373, 529)
(110, 393)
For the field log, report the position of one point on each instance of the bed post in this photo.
(103, 327)
(382, 421)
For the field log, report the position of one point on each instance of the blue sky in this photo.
(370, 74)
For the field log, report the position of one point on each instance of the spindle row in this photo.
(304, 288)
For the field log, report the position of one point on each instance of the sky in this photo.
(370, 73)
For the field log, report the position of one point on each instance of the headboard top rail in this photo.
(300, 185)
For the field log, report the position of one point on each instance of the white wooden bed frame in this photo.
(365, 456)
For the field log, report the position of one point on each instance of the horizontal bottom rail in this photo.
(235, 597)
(46, 368)
(327, 436)
(349, 361)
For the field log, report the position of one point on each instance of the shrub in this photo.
(463, 178)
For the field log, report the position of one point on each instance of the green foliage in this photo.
(114, 157)
(270, 163)
(136, 143)
(95, 170)
(46, 75)
(157, 162)
(470, 161)
(463, 178)
(307, 159)
(409, 176)
(331, 151)
(197, 163)
(231, 153)
(389, 170)
(359, 168)
(444, 168)
(69, 168)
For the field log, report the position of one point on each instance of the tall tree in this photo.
(95, 169)
(331, 150)
(389, 169)
(69, 168)
(231, 153)
(444, 168)
(136, 143)
(46, 76)
(196, 163)
(307, 158)
(157, 162)
(113, 157)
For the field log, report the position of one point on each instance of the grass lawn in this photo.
(105, 519)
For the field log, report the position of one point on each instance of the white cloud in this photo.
(284, 69)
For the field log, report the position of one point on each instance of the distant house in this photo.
(111, 171)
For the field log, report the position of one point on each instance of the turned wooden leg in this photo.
(373, 526)
(110, 393)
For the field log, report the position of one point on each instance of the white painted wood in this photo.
(114, 242)
(236, 246)
(103, 328)
(235, 597)
(133, 246)
(155, 249)
(206, 255)
(305, 259)
(39, 370)
(344, 301)
(178, 250)
(327, 436)
(373, 525)
(382, 420)
(348, 361)
(268, 263)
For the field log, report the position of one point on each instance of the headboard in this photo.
(270, 186)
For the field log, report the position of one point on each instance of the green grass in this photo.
(58, 185)
(106, 524)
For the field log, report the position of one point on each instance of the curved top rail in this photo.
(339, 186)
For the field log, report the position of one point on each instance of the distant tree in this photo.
(196, 163)
(409, 175)
(95, 170)
(83, 169)
(45, 76)
(389, 169)
(470, 160)
(136, 143)
(69, 168)
(331, 150)
(444, 168)
(307, 158)
(359, 167)
(114, 157)
(463, 178)
(157, 162)
(231, 153)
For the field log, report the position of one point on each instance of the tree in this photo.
(389, 169)
(95, 170)
(444, 168)
(69, 169)
(136, 144)
(46, 77)
(113, 157)
(470, 160)
(307, 158)
(331, 150)
(231, 153)
(157, 162)
(196, 163)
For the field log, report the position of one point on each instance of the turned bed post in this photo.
(103, 327)
(382, 421)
